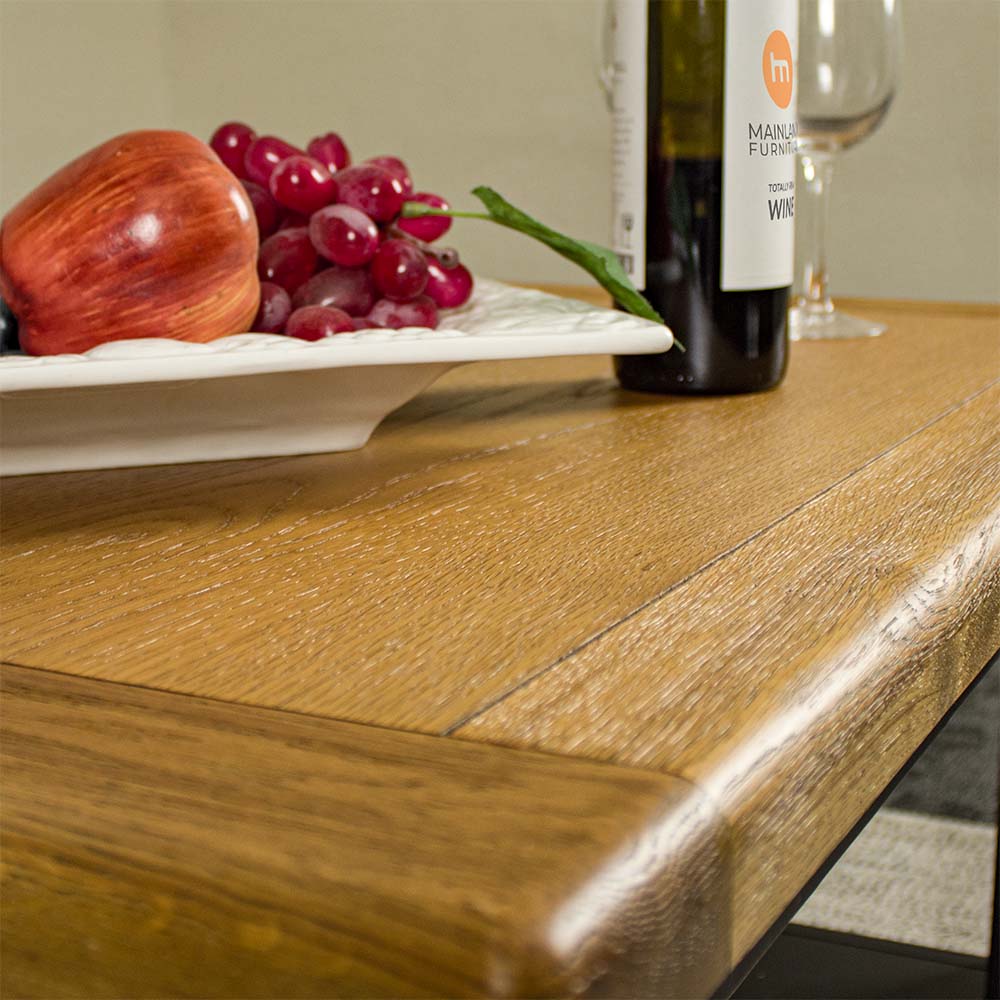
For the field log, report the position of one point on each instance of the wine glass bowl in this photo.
(848, 58)
(848, 68)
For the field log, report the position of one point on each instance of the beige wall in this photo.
(71, 75)
(500, 92)
(916, 207)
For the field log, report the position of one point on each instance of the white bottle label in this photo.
(759, 137)
(629, 29)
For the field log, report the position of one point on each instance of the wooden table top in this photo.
(550, 689)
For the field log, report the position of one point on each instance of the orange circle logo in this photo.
(777, 65)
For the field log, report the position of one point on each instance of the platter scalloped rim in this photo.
(500, 321)
(157, 401)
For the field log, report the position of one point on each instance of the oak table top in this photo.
(552, 689)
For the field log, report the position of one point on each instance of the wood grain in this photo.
(497, 523)
(791, 680)
(156, 845)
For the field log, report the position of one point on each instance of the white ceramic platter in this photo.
(148, 402)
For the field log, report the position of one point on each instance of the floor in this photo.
(913, 879)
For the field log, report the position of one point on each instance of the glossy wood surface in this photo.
(769, 599)
(162, 846)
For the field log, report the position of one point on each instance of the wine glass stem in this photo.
(817, 169)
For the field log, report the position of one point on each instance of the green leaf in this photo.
(600, 262)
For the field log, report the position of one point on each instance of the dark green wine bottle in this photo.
(704, 185)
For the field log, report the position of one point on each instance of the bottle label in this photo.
(629, 29)
(759, 138)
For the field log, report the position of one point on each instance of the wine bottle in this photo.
(704, 185)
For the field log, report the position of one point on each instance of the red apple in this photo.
(148, 235)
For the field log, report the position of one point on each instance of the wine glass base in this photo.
(836, 325)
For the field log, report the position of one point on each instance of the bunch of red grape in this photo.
(335, 255)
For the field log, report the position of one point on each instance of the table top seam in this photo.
(733, 549)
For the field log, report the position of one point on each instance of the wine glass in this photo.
(849, 54)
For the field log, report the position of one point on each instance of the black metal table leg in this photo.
(993, 975)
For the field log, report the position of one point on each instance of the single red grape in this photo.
(399, 270)
(429, 227)
(395, 166)
(263, 155)
(395, 315)
(287, 258)
(449, 287)
(330, 150)
(230, 142)
(302, 184)
(264, 207)
(372, 190)
(318, 323)
(275, 308)
(347, 288)
(344, 235)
